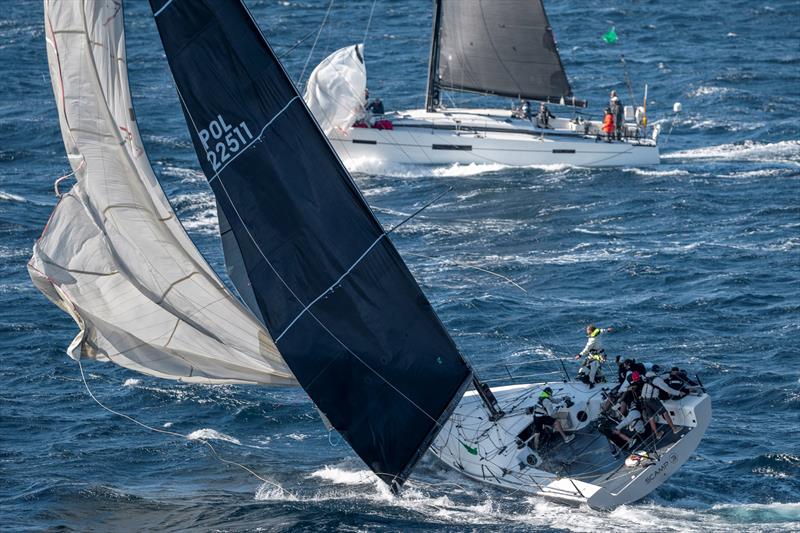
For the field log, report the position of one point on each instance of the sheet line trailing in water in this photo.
(113, 255)
(371, 353)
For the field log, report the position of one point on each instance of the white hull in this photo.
(488, 136)
(582, 471)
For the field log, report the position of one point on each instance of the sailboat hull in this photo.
(581, 471)
(488, 137)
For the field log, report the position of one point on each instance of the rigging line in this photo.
(357, 261)
(465, 265)
(298, 43)
(254, 140)
(319, 32)
(277, 274)
(175, 434)
(162, 8)
(369, 21)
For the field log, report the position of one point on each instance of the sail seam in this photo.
(330, 289)
(328, 331)
(255, 139)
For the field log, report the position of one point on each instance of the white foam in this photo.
(167, 424)
(132, 382)
(11, 197)
(657, 173)
(187, 175)
(457, 501)
(345, 477)
(708, 91)
(779, 152)
(270, 492)
(212, 434)
(472, 169)
(297, 436)
(203, 217)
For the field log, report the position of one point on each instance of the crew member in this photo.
(375, 107)
(544, 415)
(594, 353)
(654, 391)
(631, 425)
(544, 116)
(608, 124)
(618, 110)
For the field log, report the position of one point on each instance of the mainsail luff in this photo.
(497, 47)
(347, 315)
(113, 255)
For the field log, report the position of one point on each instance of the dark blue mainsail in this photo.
(303, 246)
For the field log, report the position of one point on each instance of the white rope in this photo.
(175, 434)
(369, 22)
(324, 20)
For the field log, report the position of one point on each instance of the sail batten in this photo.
(496, 47)
(307, 253)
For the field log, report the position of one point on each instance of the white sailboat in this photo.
(329, 303)
(500, 48)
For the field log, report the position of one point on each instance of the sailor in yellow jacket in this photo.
(593, 352)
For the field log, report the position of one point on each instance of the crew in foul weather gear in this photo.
(654, 391)
(544, 415)
(608, 124)
(618, 111)
(594, 354)
(631, 425)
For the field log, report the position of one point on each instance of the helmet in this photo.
(634, 377)
(546, 393)
(656, 368)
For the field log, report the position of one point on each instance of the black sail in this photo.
(502, 47)
(345, 312)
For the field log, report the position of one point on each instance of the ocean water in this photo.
(695, 262)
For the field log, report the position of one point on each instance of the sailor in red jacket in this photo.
(608, 124)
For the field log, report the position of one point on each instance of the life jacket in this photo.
(540, 409)
(594, 351)
(597, 356)
(608, 123)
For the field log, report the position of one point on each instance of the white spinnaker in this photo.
(113, 254)
(335, 89)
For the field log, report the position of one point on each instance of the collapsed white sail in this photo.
(113, 254)
(335, 89)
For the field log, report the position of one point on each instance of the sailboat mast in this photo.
(432, 94)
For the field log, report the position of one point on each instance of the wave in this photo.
(197, 211)
(778, 152)
(706, 90)
(453, 500)
(212, 434)
(456, 170)
(8, 197)
(657, 173)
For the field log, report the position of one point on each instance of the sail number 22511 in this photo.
(222, 141)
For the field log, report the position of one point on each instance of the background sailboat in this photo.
(496, 48)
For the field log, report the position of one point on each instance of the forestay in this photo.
(503, 47)
(347, 315)
(113, 254)
(335, 90)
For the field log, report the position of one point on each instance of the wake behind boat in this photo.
(491, 48)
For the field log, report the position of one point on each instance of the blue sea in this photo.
(695, 262)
